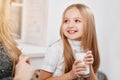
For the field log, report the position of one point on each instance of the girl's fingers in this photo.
(80, 66)
(89, 58)
(89, 52)
(76, 62)
(81, 73)
(89, 61)
(89, 55)
(80, 69)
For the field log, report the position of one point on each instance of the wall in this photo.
(107, 16)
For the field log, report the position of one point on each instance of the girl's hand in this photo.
(78, 68)
(89, 58)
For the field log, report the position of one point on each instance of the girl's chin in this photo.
(75, 39)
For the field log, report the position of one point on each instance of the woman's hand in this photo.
(89, 58)
(23, 70)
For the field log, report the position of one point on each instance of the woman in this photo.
(9, 53)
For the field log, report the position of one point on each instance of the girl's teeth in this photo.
(71, 32)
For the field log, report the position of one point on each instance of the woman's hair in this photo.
(88, 39)
(6, 38)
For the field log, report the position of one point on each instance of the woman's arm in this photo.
(23, 70)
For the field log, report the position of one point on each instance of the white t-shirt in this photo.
(54, 60)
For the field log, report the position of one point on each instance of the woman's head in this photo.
(78, 24)
(5, 7)
(5, 24)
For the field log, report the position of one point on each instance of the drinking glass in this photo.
(79, 55)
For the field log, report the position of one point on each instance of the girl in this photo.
(77, 32)
(9, 53)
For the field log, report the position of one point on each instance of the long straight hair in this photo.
(88, 40)
(6, 38)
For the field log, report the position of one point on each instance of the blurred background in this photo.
(37, 24)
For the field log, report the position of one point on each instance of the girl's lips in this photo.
(71, 31)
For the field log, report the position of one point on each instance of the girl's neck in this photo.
(74, 42)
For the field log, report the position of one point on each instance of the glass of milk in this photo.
(79, 55)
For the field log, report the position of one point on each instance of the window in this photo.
(16, 15)
(30, 17)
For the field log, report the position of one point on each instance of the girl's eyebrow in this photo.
(78, 18)
(65, 18)
(75, 18)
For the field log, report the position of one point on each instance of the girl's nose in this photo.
(71, 24)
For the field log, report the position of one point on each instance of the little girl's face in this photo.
(72, 24)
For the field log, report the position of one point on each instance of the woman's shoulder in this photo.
(1, 47)
(0, 44)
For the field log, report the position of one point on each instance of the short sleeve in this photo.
(51, 59)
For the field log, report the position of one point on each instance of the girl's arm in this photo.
(77, 68)
(44, 75)
(94, 77)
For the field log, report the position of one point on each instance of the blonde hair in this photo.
(6, 38)
(88, 40)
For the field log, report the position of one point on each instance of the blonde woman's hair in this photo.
(88, 40)
(6, 38)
